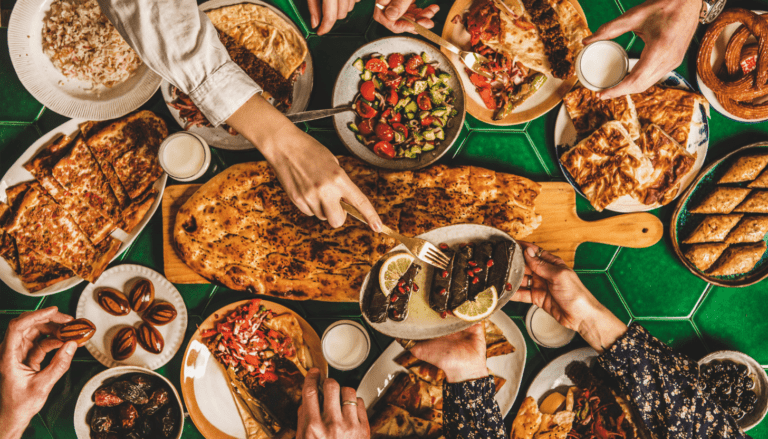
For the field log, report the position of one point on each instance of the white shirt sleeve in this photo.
(179, 43)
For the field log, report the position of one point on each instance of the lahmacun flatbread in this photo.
(745, 168)
(714, 228)
(752, 228)
(738, 259)
(757, 202)
(702, 256)
(722, 200)
(242, 231)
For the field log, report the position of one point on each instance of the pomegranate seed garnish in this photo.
(394, 298)
(475, 280)
(478, 270)
(508, 286)
(443, 314)
(443, 292)
(444, 246)
(470, 273)
(401, 283)
(415, 287)
(473, 263)
(445, 273)
(402, 291)
(489, 263)
(396, 314)
(407, 289)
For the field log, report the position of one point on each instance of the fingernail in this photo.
(531, 252)
(314, 22)
(313, 371)
(70, 348)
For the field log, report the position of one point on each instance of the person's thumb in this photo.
(396, 9)
(58, 367)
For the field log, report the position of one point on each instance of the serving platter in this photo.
(122, 278)
(698, 143)
(717, 60)
(70, 97)
(218, 136)
(17, 174)
(683, 222)
(550, 94)
(204, 383)
(423, 322)
(553, 377)
(510, 367)
(346, 88)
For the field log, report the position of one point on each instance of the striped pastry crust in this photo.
(752, 228)
(714, 228)
(745, 168)
(757, 202)
(738, 259)
(722, 200)
(704, 255)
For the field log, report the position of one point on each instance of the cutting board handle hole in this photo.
(645, 230)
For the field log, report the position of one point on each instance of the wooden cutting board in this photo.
(561, 230)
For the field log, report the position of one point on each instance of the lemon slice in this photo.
(480, 308)
(392, 270)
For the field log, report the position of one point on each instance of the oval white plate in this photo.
(66, 96)
(121, 278)
(510, 367)
(219, 137)
(17, 174)
(85, 400)
(553, 377)
(718, 55)
(422, 321)
(698, 143)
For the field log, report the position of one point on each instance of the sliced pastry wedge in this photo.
(738, 259)
(745, 168)
(751, 229)
(702, 256)
(722, 200)
(714, 228)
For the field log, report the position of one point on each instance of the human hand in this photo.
(331, 10)
(461, 355)
(348, 421)
(24, 387)
(666, 27)
(308, 172)
(549, 284)
(390, 17)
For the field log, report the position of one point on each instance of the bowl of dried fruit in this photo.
(128, 402)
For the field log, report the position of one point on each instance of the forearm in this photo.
(599, 327)
(264, 126)
(470, 411)
(664, 386)
(12, 426)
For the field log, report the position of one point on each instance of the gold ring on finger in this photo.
(530, 282)
(349, 403)
(538, 253)
(409, 345)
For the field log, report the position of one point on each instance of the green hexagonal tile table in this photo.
(649, 285)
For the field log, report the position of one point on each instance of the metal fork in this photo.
(424, 250)
(470, 59)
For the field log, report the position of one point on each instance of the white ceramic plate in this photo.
(510, 367)
(70, 97)
(122, 278)
(718, 56)
(219, 137)
(17, 174)
(85, 400)
(422, 321)
(553, 377)
(698, 143)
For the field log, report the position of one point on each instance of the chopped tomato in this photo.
(395, 60)
(392, 99)
(386, 113)
(430, 70)
(376, 65)
(365, 111)
(427, 121)
(400, 128)
(395, 117)
(479, 80)
(487, 96)
(384, 132)
(413, 64)
(390, 79)
(252, 359)
(384, 149)
(366, 127)
(424, 102)
(368, 90)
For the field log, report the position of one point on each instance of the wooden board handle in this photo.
(635, 230)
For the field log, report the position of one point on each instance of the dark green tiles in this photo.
(503, 151)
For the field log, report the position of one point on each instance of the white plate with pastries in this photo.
(565, 137)
(17, 174)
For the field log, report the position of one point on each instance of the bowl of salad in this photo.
(408, 103)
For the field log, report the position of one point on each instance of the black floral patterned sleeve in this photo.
(664, 386)
(470, 412)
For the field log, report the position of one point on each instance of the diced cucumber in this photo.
(402, 103)
(453, 113)
(360, 138)
(439, 112)
(439, 134)
(429, 135)
(425, 57)
(423, 114)
(409, 155)
(423, 71)
(410, 115)
(399, 137)
(429, 146)
(419, 87)
(399, 69)
(415, 149)
(418, 137)
(437, 96)
(445, 77)
(353, 127)
(367, 75)
(411, 107)
(438, 122)
(377, 83)
(434, 80)
(359, 65)
(406, 91)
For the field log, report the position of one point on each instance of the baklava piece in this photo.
(750, 229)
(702, 256)
(761, 182)
(738, 259)
(745, 169)
(714, 228)
(756, 203)
(722, 200)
